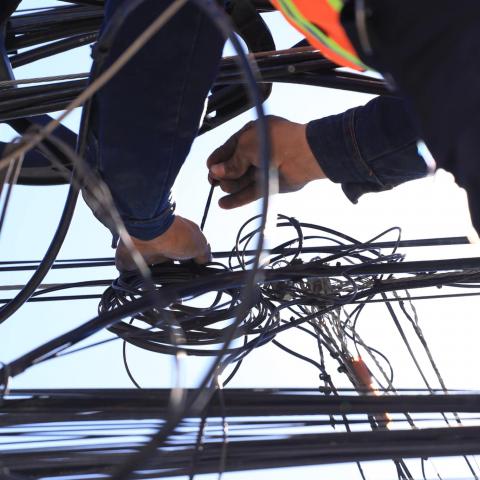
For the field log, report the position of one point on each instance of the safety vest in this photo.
(319, 21)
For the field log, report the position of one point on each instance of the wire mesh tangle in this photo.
(296, 293)
(298, 287)
(316, 281)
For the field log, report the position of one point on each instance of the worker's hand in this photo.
(182, 241)
(235, 165)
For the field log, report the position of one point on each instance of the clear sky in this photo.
(431, 207)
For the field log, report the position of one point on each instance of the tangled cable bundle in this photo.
(292, 284)
(315, 280)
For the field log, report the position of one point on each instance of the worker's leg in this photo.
(148, 116)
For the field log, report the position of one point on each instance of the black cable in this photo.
(10, 308)
(57, 345)
(14, 304)
(357, 255)
(125, 363)
(231, 280)
(198, 321)
(109, 261)
(207, 207)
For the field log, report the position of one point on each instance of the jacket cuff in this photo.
(368, 149)
(332, 140)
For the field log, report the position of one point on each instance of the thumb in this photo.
(231, 169)
(226, 154)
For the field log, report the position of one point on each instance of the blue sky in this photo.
(431, 207)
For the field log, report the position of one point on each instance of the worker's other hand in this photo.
(235, 165)
(182, 241)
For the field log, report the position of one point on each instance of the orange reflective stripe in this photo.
(319, 21)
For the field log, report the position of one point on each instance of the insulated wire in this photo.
(99, 82)
(53, 78)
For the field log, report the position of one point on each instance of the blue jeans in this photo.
(147, 117)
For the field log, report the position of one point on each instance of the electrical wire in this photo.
(317, 293)
(100, 81)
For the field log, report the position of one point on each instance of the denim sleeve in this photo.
(368, 149)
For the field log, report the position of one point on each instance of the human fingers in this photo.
(228, 148)
(194, 244)
(233, 186)
(182, 241)
(125, 261)
(233, 168)
(219, 157)
(240, 198)
(188, 243)
(231, 159)
(224, 152)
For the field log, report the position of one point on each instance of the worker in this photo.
(147, 117)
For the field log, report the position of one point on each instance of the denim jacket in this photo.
(369, 148)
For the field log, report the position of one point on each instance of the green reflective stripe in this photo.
(337, 5)
(293, 13)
